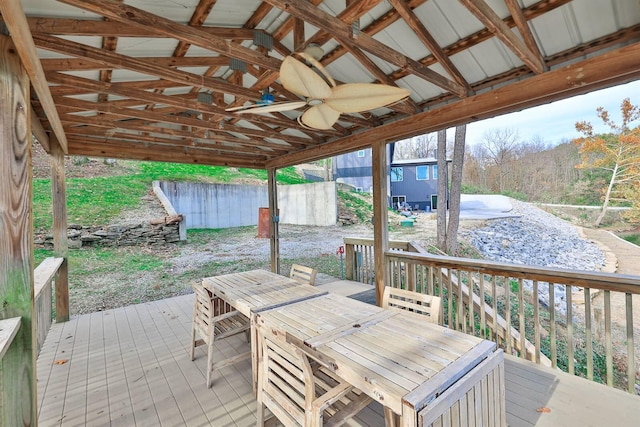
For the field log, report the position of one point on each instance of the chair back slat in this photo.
(303, 274)
(427, 305)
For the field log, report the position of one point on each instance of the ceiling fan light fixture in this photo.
(314, 50)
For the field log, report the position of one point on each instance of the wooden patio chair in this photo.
(303, 274)
(213, 320)
(299, 391)
(427, 305)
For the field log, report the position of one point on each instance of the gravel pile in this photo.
(540, 239)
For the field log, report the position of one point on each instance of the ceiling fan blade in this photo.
(302, 80)
(270, 108)
(356, 97)
(320, 117)
(313, 61)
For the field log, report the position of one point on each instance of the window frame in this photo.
(426, 175)
(394, 177)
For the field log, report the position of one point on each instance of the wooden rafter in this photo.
(16, 22)
(523, 27)
(195, 36)
(343, 32)
(427, 39)
(492, 21)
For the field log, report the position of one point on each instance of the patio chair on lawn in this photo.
(299, 391)
(303, 274)
(427, 305)
(213, 320)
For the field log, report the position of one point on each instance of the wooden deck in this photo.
(130, 366)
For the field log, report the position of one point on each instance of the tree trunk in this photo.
(607, 196)
(441, 212)
(456, 185)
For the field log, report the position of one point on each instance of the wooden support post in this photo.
(380, 216)
(18, 367)
(274, 220)
(60, 243)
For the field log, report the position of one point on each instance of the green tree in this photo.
(617, 152)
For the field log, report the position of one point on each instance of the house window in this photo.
(422, 173)
(396, 174)
(360, 153)
(435, 171)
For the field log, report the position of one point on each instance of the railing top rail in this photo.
(393, 244)
(44, 273)
(587, 279)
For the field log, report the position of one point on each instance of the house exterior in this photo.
(354, 169)
(414, 181)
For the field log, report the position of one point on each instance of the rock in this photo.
(74, 226)
(75, 244)
(90, 238)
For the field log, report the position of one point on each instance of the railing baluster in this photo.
(588, 335)
(460, 302)
(507, 314)
(494, 291)
(607, 338)
(449, 298)
(568, 299)
(536, 320)
(472, 320)
(431, 290)
(552, 324)
(631, 362)
(523, 329)
(483, 316)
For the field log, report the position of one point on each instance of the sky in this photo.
(556, 121)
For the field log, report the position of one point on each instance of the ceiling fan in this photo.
(326, 99)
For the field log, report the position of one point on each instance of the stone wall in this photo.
(153, 233)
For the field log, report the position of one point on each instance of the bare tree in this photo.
(456, 186)
(418, 147)
(441, 208)
(500, 147)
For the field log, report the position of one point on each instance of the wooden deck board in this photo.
(130, 366)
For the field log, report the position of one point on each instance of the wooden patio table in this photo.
(256, 290)
(411, 366)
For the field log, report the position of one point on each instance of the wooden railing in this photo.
(359, 257)
(579, 333)
(43, 276)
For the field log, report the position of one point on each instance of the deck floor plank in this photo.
(131, 367)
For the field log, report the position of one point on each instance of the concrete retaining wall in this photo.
(226, 205)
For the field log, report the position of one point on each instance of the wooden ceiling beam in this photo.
(84, 64)
(429, 41)
(38, 131)
(137, 17)
(116, 61)
(109, 122)
(496, 25)
(344, 33)
(107, 107)
(158, 153)
(614, 67)
(523, 26)
(93, 28)
(407, 106)
(164, 139)
(147, 97)
(200, 15)
(16, 22)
